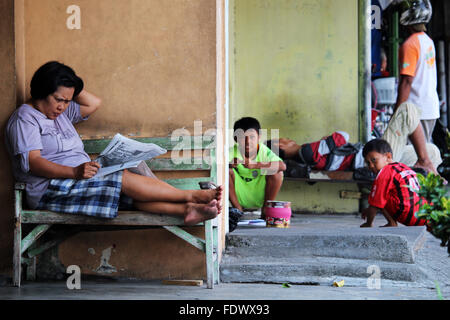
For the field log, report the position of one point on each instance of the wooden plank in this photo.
(34, 235)
(186, 236)
(36, 249)
(196, 283)
(179, 143)
(186, 184)
(125, 218)
(328, 176)
(169, 165)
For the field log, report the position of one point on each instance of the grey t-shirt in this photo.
(28, 129)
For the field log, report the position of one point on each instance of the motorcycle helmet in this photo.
(415, 12)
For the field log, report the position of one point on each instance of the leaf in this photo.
(434, 216)
(338, 284)
(286, 285)
(438, 291)
(437, 207)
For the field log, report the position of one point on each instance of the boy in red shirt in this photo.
(390, 191)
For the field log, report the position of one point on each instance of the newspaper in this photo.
(123, 153)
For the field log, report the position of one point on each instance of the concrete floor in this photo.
(154, 290)
(432, 258)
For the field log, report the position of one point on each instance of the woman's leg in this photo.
(192, 213)
(147, 189)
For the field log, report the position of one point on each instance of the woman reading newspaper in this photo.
(48, 156)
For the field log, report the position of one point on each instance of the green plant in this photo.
(438, 291)
(436, 207)
(444, 168)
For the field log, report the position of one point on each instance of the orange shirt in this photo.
(418, 59)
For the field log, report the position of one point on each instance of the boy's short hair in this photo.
(377, 145)
(247, 123)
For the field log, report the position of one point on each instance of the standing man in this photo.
(417, 61)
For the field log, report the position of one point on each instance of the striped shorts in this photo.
(96, 197)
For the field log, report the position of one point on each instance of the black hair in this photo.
(247, 123)
(52, 75)
(377, 145)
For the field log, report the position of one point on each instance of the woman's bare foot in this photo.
(206, 196)
(199, 212)
(219, 207)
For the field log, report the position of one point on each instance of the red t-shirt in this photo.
(390, 192)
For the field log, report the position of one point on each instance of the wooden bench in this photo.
(27, 248)
(337, 177)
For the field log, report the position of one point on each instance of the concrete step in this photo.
(382, 244)
(322, 271)
(322, 249)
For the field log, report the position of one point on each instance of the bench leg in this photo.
(216, 254)
(209, 251)
(17, 255)
(31, 269)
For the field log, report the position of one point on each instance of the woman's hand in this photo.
(86, 170)
(44, 168)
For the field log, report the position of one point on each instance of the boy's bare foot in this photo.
(366, 225)
(206, 196)
(199, 212)
(390, 224)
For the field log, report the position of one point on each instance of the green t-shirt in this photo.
(264, 155)
(250, 183)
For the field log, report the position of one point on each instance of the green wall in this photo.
(294, 66)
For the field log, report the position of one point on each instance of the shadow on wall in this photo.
(7, 214)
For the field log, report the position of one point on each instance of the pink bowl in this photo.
(280, 213)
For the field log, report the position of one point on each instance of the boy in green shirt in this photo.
(256, 173)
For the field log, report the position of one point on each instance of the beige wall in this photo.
(153, 63)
